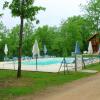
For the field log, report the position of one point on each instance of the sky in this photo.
(56, 11)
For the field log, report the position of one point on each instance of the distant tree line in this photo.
(60, 40)
(56, 39)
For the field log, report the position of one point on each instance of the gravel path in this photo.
(84, 89)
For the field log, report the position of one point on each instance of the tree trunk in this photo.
(20, 48)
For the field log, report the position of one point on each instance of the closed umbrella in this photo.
(45, 50)
(77, 51)
(6, 50)
(99, 49)
(77, 48)
(90, 49)
(36, 51)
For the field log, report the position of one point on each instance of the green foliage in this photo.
(3, 33)
(12, 41)
(28, 39)
(60, 41)
(73, 29)
(50, 37)
(76, 28)
(23, 8)
(93, 13)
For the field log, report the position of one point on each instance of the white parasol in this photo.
(90, 49)
(35, 50)
(6, 49)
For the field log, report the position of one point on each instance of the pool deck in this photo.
(43, 68)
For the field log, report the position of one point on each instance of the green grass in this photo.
(34, 82)
(93, 55)
(94, 67)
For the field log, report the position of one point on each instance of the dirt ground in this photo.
(84, 89)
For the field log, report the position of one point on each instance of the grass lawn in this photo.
(34, 82)
(94, 67)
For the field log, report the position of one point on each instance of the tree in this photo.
(50, 37)
(93, 13)
(28, 39)
(3, 32)
(76, 28)
(12, 41)
(25, 10)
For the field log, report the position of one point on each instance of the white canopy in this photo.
(99, 49)
(35, 49)
(45, 49)
(90, 49)
(6, 49)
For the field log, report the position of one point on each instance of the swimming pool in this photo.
(47, 61)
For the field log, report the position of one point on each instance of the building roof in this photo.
(92, 36)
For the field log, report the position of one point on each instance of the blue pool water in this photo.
(47, 61)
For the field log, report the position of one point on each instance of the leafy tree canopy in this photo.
(92, 11)
(23, 8)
